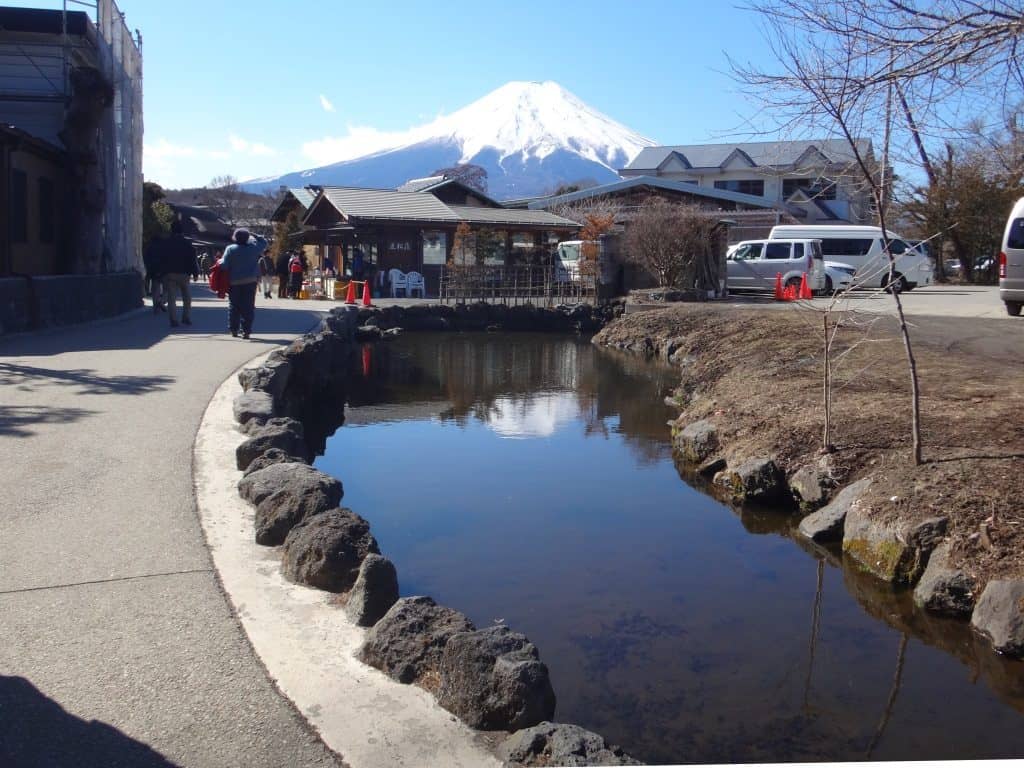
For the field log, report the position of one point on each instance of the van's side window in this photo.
(798, 250)
(846, 246)
(1016, 238)
(776, 250)
(748, 252)
(897, 247)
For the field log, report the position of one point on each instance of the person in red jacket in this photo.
(295, 276)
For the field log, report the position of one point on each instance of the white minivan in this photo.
(1011, 262)
(752, 265)
(862, 247)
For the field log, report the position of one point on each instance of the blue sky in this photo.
(235, 87)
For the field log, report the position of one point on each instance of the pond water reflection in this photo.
(529, 480)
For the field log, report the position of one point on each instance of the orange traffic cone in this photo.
(778, 287)
(805, 288)
(350, 296)
(366, 293)
(789, 294)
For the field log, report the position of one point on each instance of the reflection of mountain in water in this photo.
(522, 386)
(538, 416)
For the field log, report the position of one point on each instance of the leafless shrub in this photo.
(672, 241)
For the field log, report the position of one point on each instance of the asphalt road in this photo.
(967, 320)
(117, 645)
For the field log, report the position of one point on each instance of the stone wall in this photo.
(32, 303)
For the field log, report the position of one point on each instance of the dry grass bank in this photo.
(757, 375)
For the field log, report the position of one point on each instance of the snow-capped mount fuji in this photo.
(529, 136)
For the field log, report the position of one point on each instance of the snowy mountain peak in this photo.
(530, 137)
(535, 119)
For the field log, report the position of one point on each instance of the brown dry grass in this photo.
(757, 375)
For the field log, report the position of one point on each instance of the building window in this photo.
(744, 186)
(819, 188)
(46, 211)
(435, 247)
(19, 207)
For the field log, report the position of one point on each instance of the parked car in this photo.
(863, 248)
(1011, 262)
(953, 268)
(753, 264)
(838, 276)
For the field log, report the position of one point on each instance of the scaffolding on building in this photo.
(36, 93)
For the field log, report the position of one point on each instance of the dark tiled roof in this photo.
(387, 204)
(760, 153)
(509, 216)
(303, 195)
(658, 183)
(419, 185)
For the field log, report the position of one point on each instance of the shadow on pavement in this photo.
(36, 731)
(85, 380)
(145, 329)
(18, 420)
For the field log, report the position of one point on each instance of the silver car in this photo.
(1011, 262)
(753, 265)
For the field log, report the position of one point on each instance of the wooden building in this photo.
(414, 228)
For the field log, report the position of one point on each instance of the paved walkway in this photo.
(117, 645)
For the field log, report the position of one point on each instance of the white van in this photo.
(1011, 262)
(862, 248)
(752, 265)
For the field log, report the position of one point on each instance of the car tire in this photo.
(828, 285)
(1013, 308)
(900, 285)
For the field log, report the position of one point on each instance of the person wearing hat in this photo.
(242, 263)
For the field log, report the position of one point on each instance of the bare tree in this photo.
(671, 241)
(471, 175)
(224, 196)
(842, 63)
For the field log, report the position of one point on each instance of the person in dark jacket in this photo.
(179, 261)
(281, 268)
(152, 259)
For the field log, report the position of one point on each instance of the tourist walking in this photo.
(266, 275)
(282, 274)
(205, 262)
(152, 260)
(295, 276)
(179, 261)
(241, 262)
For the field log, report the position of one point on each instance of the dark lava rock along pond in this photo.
(528, 480)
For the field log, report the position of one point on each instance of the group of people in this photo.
(246, 265)
(169, 262)
(290, 269)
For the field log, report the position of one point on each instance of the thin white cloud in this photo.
(326, 103)
(243, 147)
(162, 149)
(361, 140)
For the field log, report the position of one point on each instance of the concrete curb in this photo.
(302, 636)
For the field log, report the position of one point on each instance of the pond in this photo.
(528, 480)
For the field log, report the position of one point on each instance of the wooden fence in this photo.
(538, 285)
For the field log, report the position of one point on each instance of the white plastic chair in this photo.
(415, 282)
(398, 279)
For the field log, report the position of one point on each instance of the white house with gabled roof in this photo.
(820, 177)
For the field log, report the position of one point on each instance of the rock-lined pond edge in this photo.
(259, 435)
(725, 435)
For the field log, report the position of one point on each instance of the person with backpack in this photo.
(295, 276)
(281, 267)
(266, 275)
(241, 262)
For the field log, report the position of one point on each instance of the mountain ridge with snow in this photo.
(529, 136)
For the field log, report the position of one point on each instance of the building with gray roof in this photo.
(818, 176)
